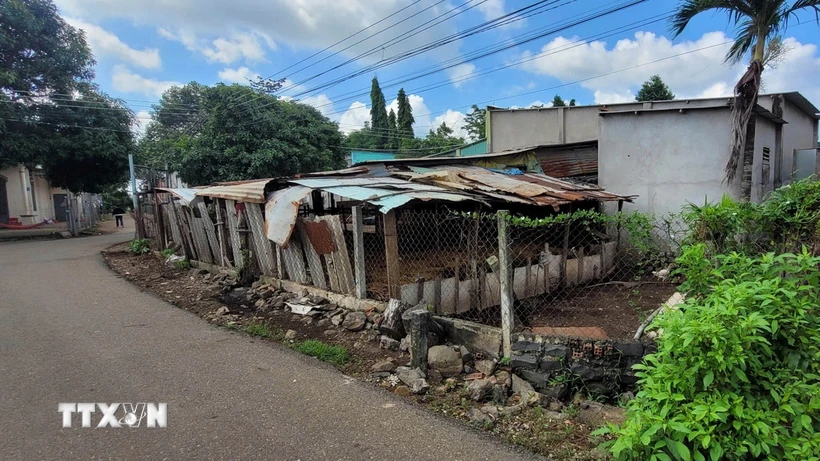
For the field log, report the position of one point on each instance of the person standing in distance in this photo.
(118, 213)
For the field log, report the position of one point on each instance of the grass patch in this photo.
(263, 331)
(337, 355)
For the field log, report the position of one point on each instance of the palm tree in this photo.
(759, 24)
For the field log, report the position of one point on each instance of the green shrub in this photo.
(167, 253)
(724, 225)
(140, 246)
(737, 374)
(791, 215)
(337, 355)
(182, 265)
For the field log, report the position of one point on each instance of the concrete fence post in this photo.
(419, 326)
(358, 252)
(505, 278)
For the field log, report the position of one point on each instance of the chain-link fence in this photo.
(583, 274)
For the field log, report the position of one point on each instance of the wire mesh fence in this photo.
(588, 275)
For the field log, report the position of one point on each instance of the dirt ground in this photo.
(562, 434)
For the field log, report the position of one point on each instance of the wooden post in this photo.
(221, 219)
(620, 210)
(505, 278)
(233, 233)
(391, 255)
(419, 324)
(358, 252)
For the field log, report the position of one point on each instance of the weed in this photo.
(182, 265)
(140, 246)
(505, 361)
(167, 253)
(261, 330)
(572, 410)
(336, 355)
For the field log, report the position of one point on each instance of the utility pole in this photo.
(133, 181)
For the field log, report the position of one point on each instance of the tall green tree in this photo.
(266, 137)
(404, 116)
(572, 102)
(51, 113)
(654, 89)
(378, 115)
(558, 101)
(393, 136)
(475, 123)
(758, 22)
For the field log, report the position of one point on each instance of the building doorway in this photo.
(61, 207)
(4, 202)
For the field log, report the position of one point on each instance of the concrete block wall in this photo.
(555, 364)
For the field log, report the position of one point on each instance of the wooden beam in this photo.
(358, 252)
(260, 241)
(340, 256)
(391, 254)
(314, 261)
(221, 225)
(210, 232)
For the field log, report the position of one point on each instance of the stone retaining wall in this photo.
(553, 365)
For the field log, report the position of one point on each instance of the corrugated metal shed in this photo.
(252, 191)
(185, 196)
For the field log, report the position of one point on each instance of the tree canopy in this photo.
(378, 115)
(558, 101)
(475, 123)
(404, 117)
(51, 114)
(654, 89)
(223, 140)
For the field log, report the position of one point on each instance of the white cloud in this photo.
(697, 74)
(128, 82)
(354, 118)
(238, 75)
(492, 8)
(140, 125)
(227, 32)
(322, 103)
(104, 43)
(453, 119)
(461, 73)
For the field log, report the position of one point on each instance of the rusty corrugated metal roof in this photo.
(251, 191)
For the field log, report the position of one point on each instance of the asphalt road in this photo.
(73, 331)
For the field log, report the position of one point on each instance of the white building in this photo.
(671, 152)
(26, 197)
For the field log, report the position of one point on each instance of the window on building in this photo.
(766, 165)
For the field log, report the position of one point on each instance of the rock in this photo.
(524, 361)
(479, 389)
(503, 377)
(305, 300)
(386, 342)
(256, 284)
(330, 332)
(279, 304)
(369, 336)
(538, 379)
(625, 398)
(259, 303)
(434, 377)
(550, 363)
(467, 369)
(414, 378)
(557, 391)
(594, 414)
(466, 356)
(485, 366)
(206, 277)
(222, 310)
(555, 406)
(266, 294)
(323, 323)
(499, 393)
(478, 418)
(445, 360)
(391, 324)
(404, 345)
(586, 373)
(490, 410)
(337, 319)
(290, 334)
(632, 348)
(380, 375)
(526, 346)
(524, 390)
(384, 365)
(318, 300)
(403, 391)
(512, 410)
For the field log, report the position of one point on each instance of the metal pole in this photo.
(506, 278)
(133, 181)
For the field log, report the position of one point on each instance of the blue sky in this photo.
(144, 47)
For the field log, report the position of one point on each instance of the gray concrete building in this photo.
(671, 152)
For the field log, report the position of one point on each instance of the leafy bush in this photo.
(337, 355)
(140, 246)
(182, 265)
(737, 374)
(791, 215)
(167, 253)
(721, 225)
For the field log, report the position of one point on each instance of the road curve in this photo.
(73, 331)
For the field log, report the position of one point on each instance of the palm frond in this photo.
(802, 4)
(691, 8)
